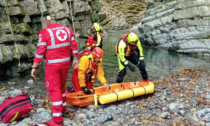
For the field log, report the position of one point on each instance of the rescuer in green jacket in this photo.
(129, 49)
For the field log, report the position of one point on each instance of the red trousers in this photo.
(55, 78)
(75, 81)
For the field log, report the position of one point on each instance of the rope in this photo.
(10, 25)
(72, 19)
(42, 16)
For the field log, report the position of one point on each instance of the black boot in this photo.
(121, 75)
(70, 89)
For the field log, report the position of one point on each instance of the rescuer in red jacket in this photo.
(95, 39)
(54, 46)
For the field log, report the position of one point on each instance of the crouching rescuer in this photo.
(129, 49)
(90, 68)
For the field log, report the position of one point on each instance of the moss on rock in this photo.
(23, 28)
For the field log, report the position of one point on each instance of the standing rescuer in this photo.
(90, 67)
(126, 50)
(94, 39)
(54, 46)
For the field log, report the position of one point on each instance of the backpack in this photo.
(14, 108)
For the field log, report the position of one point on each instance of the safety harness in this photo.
(129, 50)
(98, 42)
(91, 72)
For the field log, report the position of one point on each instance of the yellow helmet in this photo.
(97, 26)
(132, 37)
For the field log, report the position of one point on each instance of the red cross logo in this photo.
(61, 35)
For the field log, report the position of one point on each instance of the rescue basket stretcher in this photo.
(117, 92)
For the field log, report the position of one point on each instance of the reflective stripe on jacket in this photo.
(54, 45)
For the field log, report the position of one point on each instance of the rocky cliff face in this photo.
(20, 21)
(121, 14)
(178, 25)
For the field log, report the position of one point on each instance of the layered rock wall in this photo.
(121, 14)
(178, 25)
(20, 22)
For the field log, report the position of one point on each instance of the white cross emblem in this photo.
(61, 35)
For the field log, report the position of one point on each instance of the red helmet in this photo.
(98, 52)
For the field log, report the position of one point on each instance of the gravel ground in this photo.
(182, 99)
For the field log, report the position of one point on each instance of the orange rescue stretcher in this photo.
(117, 92)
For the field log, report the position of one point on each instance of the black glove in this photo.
(141, 64)
(131, 67)
(86, 90)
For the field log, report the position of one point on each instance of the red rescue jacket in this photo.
(54, 45)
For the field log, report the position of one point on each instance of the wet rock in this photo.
(207, 124)
(112, 123)
(27, 19)
(70, 109)
(11, 83)
(163, 98)
(137, 123)
(90, 115)
(23, 28)
(165, 109)
(207, 117)
(41, 6)
(183, 79)
(26, 88)
(81, 6)
(30, 7)
(39, 102)
(15, 93)
(68, 122)
(29, 121)
(40, 110)
(129, 104)
(122, 120)
(36, 117)
(133, 121)
(45, 116)
(16, 11)
(81, 116)
(104, 118)
(165, 115)
(14, 123)
(192, 117)
(4, 124)
(88, 122)
(195, 102)
(167, 92)
(203, 112)
(91, 106)
(207, 96)
(173, 107)
(21, 124)
(182, 112)
(2, 99)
